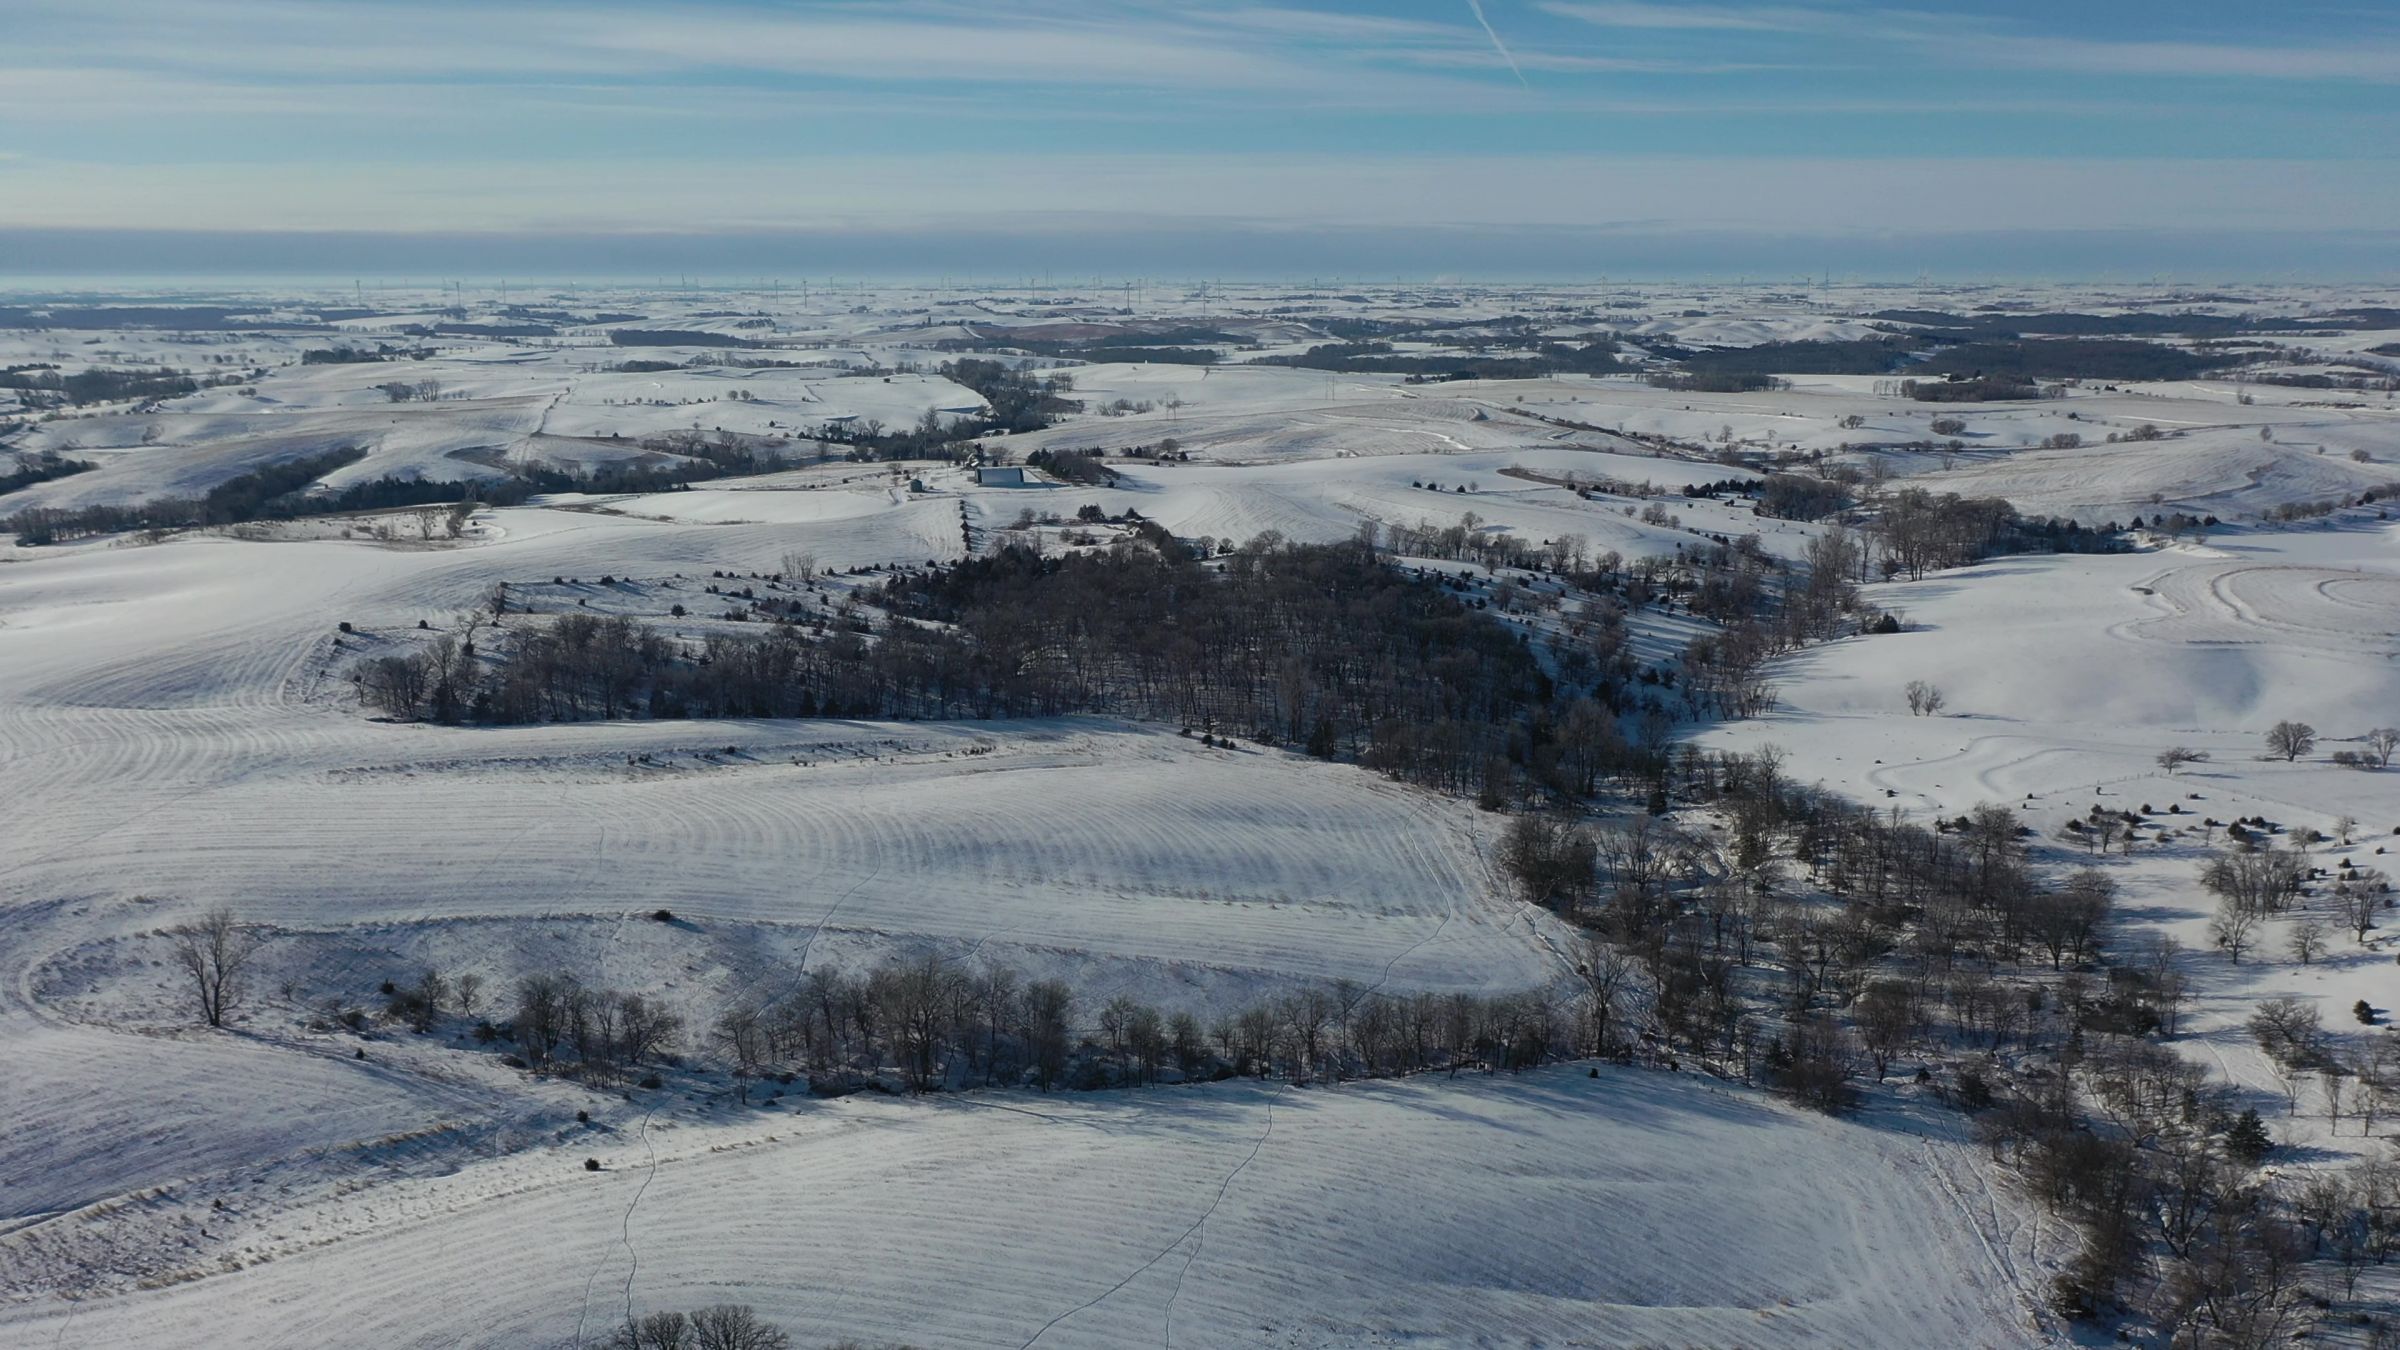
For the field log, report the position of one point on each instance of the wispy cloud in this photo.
(2374, 62)
(619, 115)
(1322, 25)
(1632, 14)
(1319, 56)
(1570, 63)
(1967, 39)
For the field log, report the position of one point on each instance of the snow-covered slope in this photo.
(1549, 1208)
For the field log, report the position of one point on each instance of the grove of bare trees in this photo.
(722, 1326)
(1924, 700)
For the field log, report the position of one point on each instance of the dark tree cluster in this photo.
(1715, 381)
(937, 1024)
(1970, 389)
(1275, 640)
(281, 491)
(270, 493)
(42, 468)
(674, 337)
(559, 1024)
(172, 318)
(1154, 356)
(1940, 944)
(1863, 356)
(479, 330)
(1083, 467)
(355, 356)
(1019, 400)
(47, 384)
(1591, 357)
(1791, 496)
(1915, 531)
(720, 1326)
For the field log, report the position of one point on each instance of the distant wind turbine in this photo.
(1497, 44)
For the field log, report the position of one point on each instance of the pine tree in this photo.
(2248, 1139)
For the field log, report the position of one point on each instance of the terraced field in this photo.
(1563, 1208)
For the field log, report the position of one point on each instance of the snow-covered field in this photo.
(2065, 677)
(179, 735)
(178, 731)
(1547, 1208)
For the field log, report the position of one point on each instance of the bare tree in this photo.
(2174, 757)
(2263, 882)
(394, 684)
(1924, 700)
(735, 1326)
(2288, 1028)
(215, 954)
(2383, 741)
(1552, 858)
(2308, 941)
(2233, 927)
(2291, 740)
(1818, 1064)
(742, 1032)
(541, 1016)
(1609, 972)
(2358, 899)
(725, 1326)
(2065, 921)
(420, 1004)
(658, 1331)
(2159, 956)
(1887, 1021)
(1045, 1008)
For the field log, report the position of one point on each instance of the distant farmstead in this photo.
(1006, 475)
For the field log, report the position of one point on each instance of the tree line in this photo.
(929, 1023)
(1322, 645)
(283, 491)
(272, 492)
(40, 384)
(1939, 943)
(1326, 647)
(42, 468)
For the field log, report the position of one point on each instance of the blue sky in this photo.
(1466, 137)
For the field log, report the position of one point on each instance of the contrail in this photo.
(1497, 44)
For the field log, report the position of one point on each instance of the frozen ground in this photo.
(1548, 1208)
(852, 356)
(177, 731)
(178, 734)
(2066, 676)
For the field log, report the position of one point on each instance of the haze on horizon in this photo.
(1524, 138)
